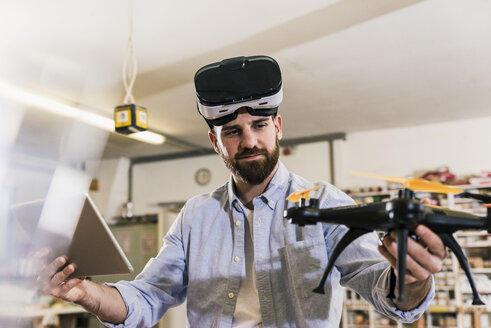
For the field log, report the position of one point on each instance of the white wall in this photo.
(112, 176)
(464, 146)
(310, 161)
(173, 181)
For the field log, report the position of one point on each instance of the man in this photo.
(231, 253)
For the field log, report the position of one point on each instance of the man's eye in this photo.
(231, 132)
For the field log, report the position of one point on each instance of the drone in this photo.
(402, 215)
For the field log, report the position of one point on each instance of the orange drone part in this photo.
(301, 194)
(415, 184)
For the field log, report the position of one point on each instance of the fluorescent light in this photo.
(96, 120)
(11, 92)
(102, 122)
(148, 136)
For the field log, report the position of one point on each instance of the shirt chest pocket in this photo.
(305, 263)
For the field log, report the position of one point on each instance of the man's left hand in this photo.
(424, 258)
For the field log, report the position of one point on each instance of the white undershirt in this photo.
(247, 310)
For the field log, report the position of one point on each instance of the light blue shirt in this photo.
(203, 256)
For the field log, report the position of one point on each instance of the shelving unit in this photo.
(465, 204)
(357, 313)
(451, 307)
(374, 196)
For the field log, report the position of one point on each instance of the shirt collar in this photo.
(273, 191)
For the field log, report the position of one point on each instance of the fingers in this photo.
(432, 241)
(63, 275)
(431, 257)
(50, 270)
(385, 253)
(55, 279)
(53, 276)
(387, 250)
(69, 284)
(418, 259)
(420, 262)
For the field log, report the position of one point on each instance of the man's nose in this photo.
(248, 139)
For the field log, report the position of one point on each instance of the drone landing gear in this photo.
(402, 235)
(351, 235)
(450, 241)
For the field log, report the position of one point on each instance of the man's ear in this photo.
(214, 140)
(278, 126)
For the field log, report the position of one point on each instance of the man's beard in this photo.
(256, 171)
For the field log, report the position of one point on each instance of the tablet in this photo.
(93, 248)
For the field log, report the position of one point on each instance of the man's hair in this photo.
(212, 127)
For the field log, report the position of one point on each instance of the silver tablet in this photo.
(93, 248)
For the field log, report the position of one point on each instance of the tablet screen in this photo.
(93, 248)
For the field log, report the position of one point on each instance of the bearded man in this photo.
(231, 253)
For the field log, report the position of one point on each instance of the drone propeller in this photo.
(301, 194)
(414, 183)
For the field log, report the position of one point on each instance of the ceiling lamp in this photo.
(58, 108)
(130, 118)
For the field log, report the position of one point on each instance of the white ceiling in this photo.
(347, 65)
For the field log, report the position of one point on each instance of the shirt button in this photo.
(237, 223)
(271, 203)
(236, 259)
(231, 295)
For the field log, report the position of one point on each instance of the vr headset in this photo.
(222, 88)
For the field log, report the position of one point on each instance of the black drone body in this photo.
(401, 215)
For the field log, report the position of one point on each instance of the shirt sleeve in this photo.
(414, 314)
(161, 285)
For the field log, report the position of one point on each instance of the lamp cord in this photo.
(130, 65)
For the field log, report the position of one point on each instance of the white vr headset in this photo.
(252, 82)
(219, 111)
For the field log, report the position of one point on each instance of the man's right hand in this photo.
(103, 301)
(55, 280)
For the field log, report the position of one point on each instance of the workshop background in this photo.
(399, 88)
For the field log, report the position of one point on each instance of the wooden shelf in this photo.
(481, 270)
(451, 301)
(470, 233)
(443, 309)
(478, 244)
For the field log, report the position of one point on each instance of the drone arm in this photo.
(442, 223)
(350, 236)
(482, 198)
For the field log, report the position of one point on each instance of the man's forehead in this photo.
(246, 118)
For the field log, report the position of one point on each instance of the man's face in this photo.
(249, 146)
